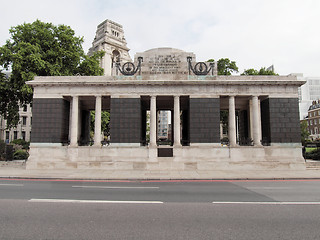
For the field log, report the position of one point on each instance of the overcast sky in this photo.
(254, 33)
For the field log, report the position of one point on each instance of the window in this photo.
(24, 121)
(311, 122)
(15, 135)
(7, 135)
(315, 121)
(23, 135)
(24, 108)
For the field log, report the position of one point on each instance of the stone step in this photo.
(313, 165)
(169, 166)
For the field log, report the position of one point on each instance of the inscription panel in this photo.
(164, 61)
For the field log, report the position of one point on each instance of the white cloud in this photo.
(254, 33)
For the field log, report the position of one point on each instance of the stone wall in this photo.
(50, 120)
(280, 120)
(125, 120)
(191, 162)
(204, 120)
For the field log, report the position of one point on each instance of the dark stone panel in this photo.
(50, 120)
(125, 120)
(204, 120)
(280, 120)
(243, 127)
(143, 127)
(265, 121)
(85, 128)
(185, 118)
(165, 152)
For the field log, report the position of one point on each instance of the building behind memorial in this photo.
(22, 130)
(313, 120)
(262, 128)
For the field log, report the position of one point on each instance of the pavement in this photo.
(17, 169)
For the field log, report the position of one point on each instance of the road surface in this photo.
(54, 209)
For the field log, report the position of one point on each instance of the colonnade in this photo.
(153, 121)
(254, 111)
(255, 123)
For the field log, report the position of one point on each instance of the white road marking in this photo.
(106, 187)
(270, 203)
(11, 184)
(90, 201)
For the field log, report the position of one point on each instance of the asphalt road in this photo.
(159, 210)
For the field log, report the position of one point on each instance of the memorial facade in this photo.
(262, 119)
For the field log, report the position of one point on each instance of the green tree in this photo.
(225, 66)
(105, 119)
(8, 100)
(40, 49)
(304, 131)
(250, 71)
(262, 71)
(224, 119)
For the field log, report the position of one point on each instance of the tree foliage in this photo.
(40, 49)
(105, 119)
(8, 100)
(225, 66)
(262, 71)
(304, 131)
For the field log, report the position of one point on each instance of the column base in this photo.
(177, 145)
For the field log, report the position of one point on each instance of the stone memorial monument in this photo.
(262, 128)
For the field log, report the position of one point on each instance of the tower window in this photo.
(114, 33)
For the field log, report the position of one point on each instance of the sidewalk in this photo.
(17, 169)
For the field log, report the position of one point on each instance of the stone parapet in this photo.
(195, 159)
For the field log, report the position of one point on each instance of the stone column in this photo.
(256, 127)
(250, 119)
(74, 121)
(97, 123)
(176, 110)
(232, 122)
(153, 121)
